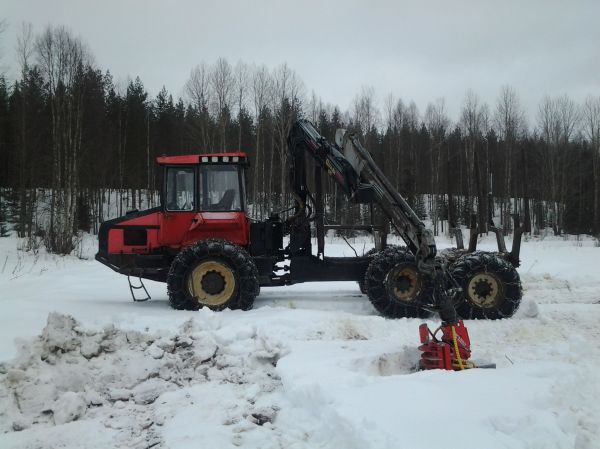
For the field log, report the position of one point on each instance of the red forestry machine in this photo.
(201, 242)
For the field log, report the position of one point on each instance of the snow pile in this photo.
(113, 378)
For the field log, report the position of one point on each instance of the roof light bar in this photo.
(222, 159)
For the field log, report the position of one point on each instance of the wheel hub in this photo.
(483, 289)
(404, 283)
(212, 283)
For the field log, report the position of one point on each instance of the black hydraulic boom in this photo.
(353, 169)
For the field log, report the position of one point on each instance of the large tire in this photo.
(491, 286)
(361, 284)
(371, 253)
(212, 273)
(395, 286)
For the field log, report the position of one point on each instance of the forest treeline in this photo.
(71, 138)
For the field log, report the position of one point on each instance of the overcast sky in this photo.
(418, 50)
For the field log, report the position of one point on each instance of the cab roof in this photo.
(210, 158)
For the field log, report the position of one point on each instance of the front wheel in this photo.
(491, 286)
(212, 273)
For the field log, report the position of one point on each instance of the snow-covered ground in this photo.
(312, 365)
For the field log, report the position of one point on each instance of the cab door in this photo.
(221, 205)
(179, 204)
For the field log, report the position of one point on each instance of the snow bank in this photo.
(112, 379)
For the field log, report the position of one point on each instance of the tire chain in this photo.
(241, 262)
(374, 283)
(485, 262)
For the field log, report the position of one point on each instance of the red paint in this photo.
(179, 229)
(116, 244)
(440, 354)
(194, 158)
(231, 226)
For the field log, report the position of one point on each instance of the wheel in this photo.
(395, 286)
(212, 273)
(491, 286)
(371, 253)
(361, 283)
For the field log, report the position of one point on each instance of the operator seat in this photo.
(227, 200)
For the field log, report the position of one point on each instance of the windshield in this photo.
(220, 188)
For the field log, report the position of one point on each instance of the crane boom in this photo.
(351, 166)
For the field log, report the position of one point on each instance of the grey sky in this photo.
(419, 50)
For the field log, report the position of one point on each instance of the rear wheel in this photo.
(395, 286)
(491, 286)
(212, 273)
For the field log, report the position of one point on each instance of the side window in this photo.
(180, 188)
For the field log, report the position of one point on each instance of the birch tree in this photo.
(241, 76)
(474, 124)
(591, 127)
(510, 123)
(223, 84)
(286, 100)
(260, 87)
(548, 125)
(365, 112)
(568, 121)
(62, 58)
(557, 119)
(198, 90)
(24, 53)
(437, 122)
